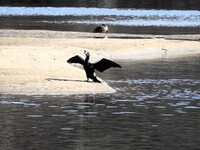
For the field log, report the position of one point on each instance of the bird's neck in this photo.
(87, 58)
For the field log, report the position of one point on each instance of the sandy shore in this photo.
(34, 62)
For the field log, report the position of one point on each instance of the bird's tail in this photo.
(96, 80)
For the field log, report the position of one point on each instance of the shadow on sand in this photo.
(57, 79)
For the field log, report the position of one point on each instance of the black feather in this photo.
(101, 29)
(105, 64)
(76, 59)
(98, 29)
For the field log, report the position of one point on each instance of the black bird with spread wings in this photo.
(90, 68)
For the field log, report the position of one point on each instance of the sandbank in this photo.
(33, 62)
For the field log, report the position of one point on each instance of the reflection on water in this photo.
(156, 106)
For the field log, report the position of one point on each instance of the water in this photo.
(122, 17)
(156, 106)
(85, 19)
(157, 103)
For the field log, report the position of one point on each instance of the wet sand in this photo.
(33, 62)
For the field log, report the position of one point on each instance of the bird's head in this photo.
(86, 53)
(105, 27)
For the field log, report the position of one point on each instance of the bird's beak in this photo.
(85, 52)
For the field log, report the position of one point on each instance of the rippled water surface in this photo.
(120, 20)
(125, 17)
(156, 106)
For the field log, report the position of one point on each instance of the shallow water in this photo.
(156, 106)
(120, 20)
(111, 16)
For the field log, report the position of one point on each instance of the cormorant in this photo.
(101, 29)
(90, 68)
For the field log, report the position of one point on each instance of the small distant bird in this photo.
(101, 29)
(90, 68)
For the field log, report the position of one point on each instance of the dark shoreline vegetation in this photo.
(138, 4)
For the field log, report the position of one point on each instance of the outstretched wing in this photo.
(76, 59)
(105, 64)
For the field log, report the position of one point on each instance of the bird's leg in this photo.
(87, 79)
